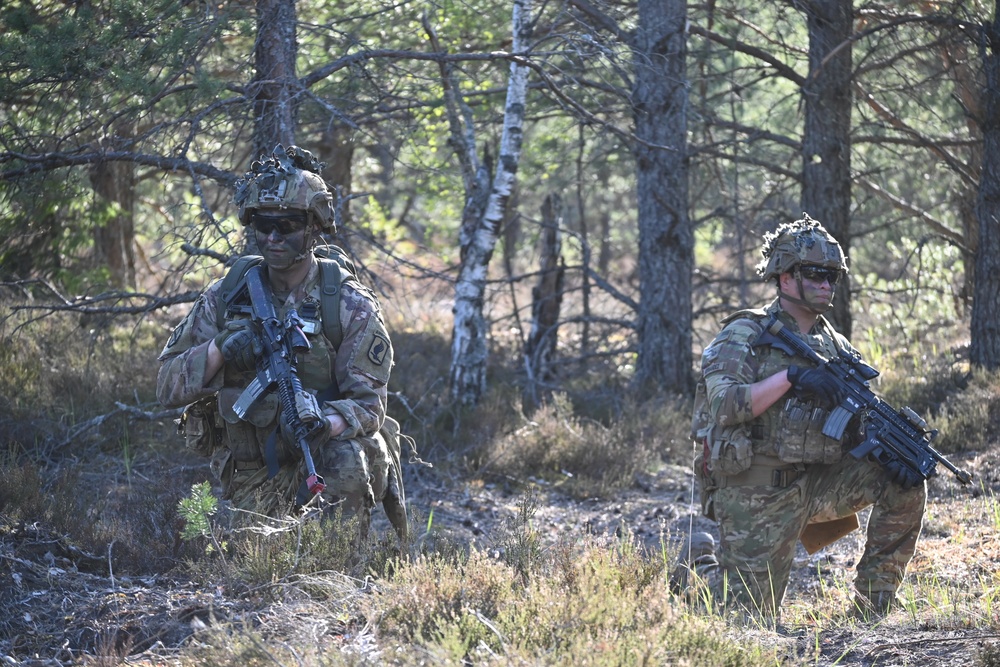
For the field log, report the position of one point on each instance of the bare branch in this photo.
(744, 159)
(604, 22)
(760, 54)
(900, 125)
(57, 160)
(936, 225)
(78, 430)
(205, 252)
(90, 305)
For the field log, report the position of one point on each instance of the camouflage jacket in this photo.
(791, 428)
(358, 370)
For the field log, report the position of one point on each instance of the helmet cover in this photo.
(288, 179)
(802, 242)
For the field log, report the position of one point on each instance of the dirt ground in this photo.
(71, 602)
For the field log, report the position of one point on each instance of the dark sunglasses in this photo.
(819, 275)
(285, 225)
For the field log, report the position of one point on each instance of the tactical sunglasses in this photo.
(284, 224)
(819, 274)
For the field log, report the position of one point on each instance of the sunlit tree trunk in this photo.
(985, 325)
(478, 236)
(666, 240)
(826, 145)
(336, 149)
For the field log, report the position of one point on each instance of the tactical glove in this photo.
(240, 346)
(311, 415)
(814, 384)
(902, 475)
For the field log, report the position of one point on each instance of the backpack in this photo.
(335, 268)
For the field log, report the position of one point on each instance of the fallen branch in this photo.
(120, 408)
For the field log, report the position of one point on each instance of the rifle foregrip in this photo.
(864, 449)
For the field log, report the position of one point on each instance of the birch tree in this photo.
(485, 205)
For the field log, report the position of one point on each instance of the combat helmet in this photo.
(803, 242)
(287, 179)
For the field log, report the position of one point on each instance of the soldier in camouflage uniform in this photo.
(211, 361)
(769, 477)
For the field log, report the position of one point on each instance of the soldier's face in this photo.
(815, 288)
(281, 236)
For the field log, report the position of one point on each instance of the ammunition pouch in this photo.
(244, 439)
(798, 435)
(731, 450)
(201, 426)
(725, 452)
(706, 481)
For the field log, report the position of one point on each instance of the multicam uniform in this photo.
(768, 478)
(258, 469)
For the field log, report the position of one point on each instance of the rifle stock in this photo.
(891, 436)
(276, 367)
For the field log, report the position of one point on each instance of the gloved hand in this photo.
(312, 416)
(902, 475)
(240, 345)
(813, 384)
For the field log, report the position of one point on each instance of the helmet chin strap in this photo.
(309, 244)
(801, 298)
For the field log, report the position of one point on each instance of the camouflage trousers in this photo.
(345, 466)
(759, 527)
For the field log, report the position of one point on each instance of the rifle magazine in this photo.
(837, 423)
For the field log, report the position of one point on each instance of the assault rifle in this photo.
(892, 437)
(276, 366)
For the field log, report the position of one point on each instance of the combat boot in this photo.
(697, 556)
(869, 607)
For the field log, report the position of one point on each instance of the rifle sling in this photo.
(271, 454)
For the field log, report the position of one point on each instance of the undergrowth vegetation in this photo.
(88, 453)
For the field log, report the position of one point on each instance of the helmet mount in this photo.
(287, 179)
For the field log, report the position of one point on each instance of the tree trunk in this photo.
(469, 349)
(114, 241)
(826, 144)
(273, 87)
(336, 149)
(546, 303)
(666, 240)
(969, 89)
(581, 212)
(985, 325)
(274, 81)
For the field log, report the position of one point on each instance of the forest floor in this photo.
(958, 556)
(64, 599)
